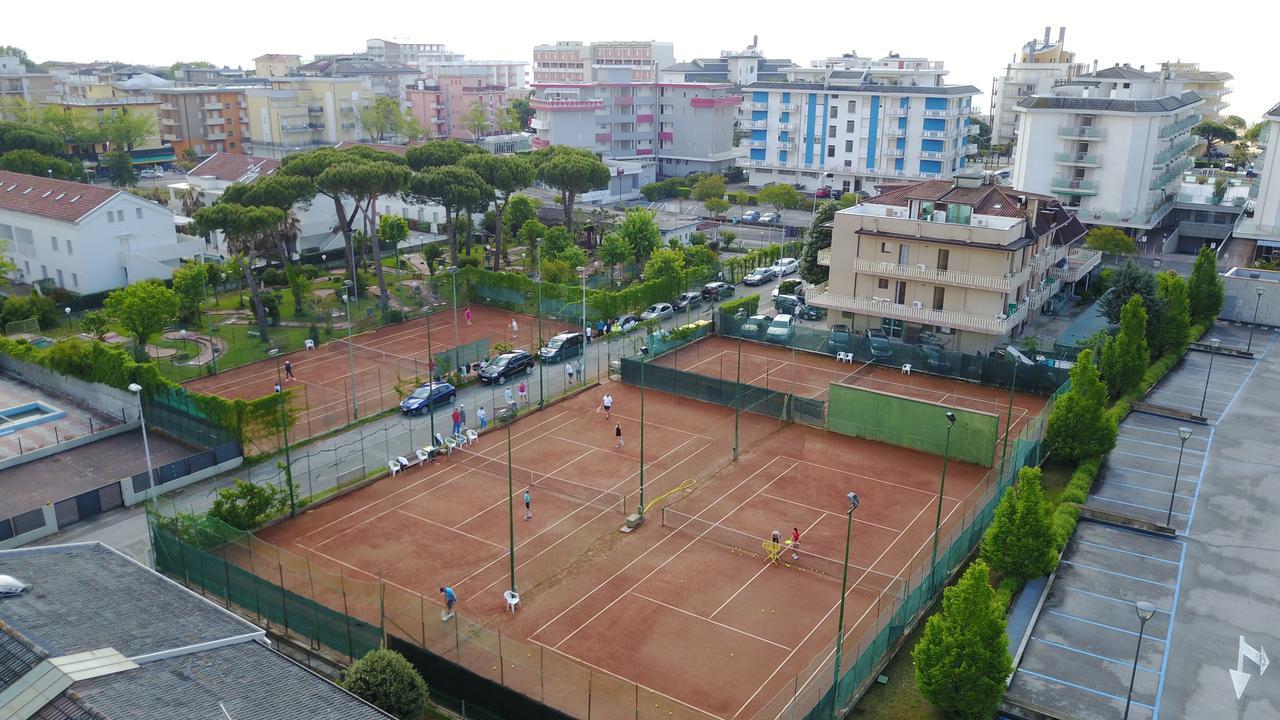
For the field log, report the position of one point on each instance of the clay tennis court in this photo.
(808, 374)
(390, 355)
(684, 617)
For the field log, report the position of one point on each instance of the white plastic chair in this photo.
(906, 368)
(451, 443)
(472, 437)
(513, 600)
(393, 466)
(309, 344)
(424, 454)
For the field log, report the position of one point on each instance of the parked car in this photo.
(562, 347)
(771, 218)
(626, 323)
(151, 174)
(840, 339)
(687, 300)
(658, 311)
(751, 216)
(823, 193)
(878, 344)
(756, 325)
(793, 286)
(428, 396)
(811, 312)
(503, 367)
(759, 276)
(717, 291)
(781, 330)
(786, 266)
(932, 357)
(837, 194)
(788, 304)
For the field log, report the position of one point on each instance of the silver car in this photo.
(658, 311)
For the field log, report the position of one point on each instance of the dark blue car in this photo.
(426, 396)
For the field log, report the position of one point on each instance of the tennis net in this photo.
(403, 362)
(862, 372)
(754, 546)
(524, 477)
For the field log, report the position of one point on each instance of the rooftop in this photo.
(1165, 104)
(354, 66)
(1274, 112)
(1120, 72)
(54, 199)
(235, 168)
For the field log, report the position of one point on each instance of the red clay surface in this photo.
(672, 620)
(383, 357)
(809, 374)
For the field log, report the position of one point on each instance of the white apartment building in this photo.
(408, 53)
(1211, 85)
(577, 62)
(1034, 70)
(86, 238)
(495, 73)
(858, 125)
(684, 127)
(17, 83)
(1111, 145)
(1264, 226)
(965, 261)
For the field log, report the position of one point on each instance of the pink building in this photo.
(442, 104)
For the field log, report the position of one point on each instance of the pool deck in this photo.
(77, 420)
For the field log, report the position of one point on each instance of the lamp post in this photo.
(453, 274)
(511, 518)
(844, 580)
(136, 389)
(204, 302)
(582, 273)
(1256, 305)
(1214, 343)
(737, 389)
(67, 310)
(640, 512)
(537, 281)
(1008, 420)
(942, 486)
(1145, 611)
(1184, 434)
(284, 429)
(431, 372)
(351, 356)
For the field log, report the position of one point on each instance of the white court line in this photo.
(446, 527)
(713, 622)
(651, 423)
(865, 477)
(759, 572)
(827, 512)
(506, 498)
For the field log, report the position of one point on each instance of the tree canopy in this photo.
(30, 162)
(439, 153)
(457, 189)
(1126, 281)
(1125, 356)
(277, 191)
(386, 680)
(1213, 133)
(1079, 426)
(572, 171)
(1019, 543)
(1205, 289)
(144, 309)
(1111, 240)
(22, 136)
(640, 230)
(1175, 321)
(781, 196)
(384, 119)
(816, 239)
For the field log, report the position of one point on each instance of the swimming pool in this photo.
(13, 419)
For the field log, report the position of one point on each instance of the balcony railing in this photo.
(1078, 158)
(1172, 172)
(895, 132)
(936, 133)
(790, 106)
(215, 121)
(987, 324)
(757, 105)
(1081, 131)
(933, 155)
(1048, 257)
(1072, 186)
(1177, 149)
(788, 126)
(1038, 295)
(757, 143)
(1180, 126)
(755, 124)
(786, 145)
(1080, 261)
(895, 111)
(893, 152)
(212, 106)
(1008, 283)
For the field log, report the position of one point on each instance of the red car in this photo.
(823, 192)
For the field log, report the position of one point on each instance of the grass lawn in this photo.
(1054, 478)
(899, 699)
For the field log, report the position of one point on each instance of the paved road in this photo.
(355, 452)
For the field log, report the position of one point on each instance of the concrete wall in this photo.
(1242, 298)
(103, 398)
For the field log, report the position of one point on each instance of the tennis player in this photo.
(449, 598)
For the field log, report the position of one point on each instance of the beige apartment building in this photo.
(971, 262)
(292, 114)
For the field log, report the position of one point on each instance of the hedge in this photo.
(750, 303)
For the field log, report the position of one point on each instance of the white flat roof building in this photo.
(1264, 226)
(1034, 69)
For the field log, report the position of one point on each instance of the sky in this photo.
(975, 39)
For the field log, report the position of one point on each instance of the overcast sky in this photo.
(975, 39)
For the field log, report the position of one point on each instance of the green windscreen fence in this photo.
(748, 398)
(912, 423)
(465, 354)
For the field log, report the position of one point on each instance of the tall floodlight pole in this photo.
(351, 356)
(844, 582)
(937, 521)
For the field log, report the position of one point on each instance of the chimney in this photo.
(1062, 35)
(1143, 68)
(1046, 34)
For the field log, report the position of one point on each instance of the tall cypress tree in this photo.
(1125, 356)
(1079, 426)
(1205, 289)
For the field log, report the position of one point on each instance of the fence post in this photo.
(457, 641)
(284, 602)
(257, 581)
(502, 664)
(342, 585)
(315, 606)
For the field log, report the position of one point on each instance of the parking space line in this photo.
(1199, 389)
(1126, 603)
(1139, 487)
(1103, 625)
(1068, 648)
(1137, 505)
(1131, 425)
(1147, 442)
(1144, 472)
(1146, 457)
(1060, 681)
(1126, 552)
(1172, 616)
(1117, 574)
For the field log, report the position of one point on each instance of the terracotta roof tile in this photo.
(54, 199)
(233, 167)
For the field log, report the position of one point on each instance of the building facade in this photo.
(387, 79)
(276, 65)
(684, 127)
(1210, 85)
(86, 238)
(207, 120)
(409, 53)
(964, 262)
(1034, 70)
(442, 105)
(1264, 227)
(1111, 145)
(855, 126)
(739, 67)
(297, 113)
(17, 83)
(577, 62)
(500, 73)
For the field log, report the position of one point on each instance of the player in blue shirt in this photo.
(450, 598)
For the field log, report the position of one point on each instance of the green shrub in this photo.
(750, 303)
(274, 277)
(246, 505)
(384, 678)
(25, 307)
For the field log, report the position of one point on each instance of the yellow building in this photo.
(276, 65)
(295, 113)
(966, 262)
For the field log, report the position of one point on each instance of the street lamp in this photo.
(67, 310)
(1184, 434)
(1256, 305)
(453, 274)
(136, 389)
(284, 428)
(942, 486)
(1214, 343)
(351, 357)
(1145, 611)
(844, 580)
(740, 316)
(582, 273)
(204, 303)
(537, 281)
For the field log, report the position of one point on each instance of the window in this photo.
(831, 131)
(886, 247)
(848, 146)
(944, 259)
(75, 280)
(67, 242)
(831, 151)
(54, 240)
(61, 284)
(111, 217)
(835, 111)
(882, 284)
(853, 106)
(848, 127)
(44, 271)
(120, 215)
(139, 211)
(939, 294)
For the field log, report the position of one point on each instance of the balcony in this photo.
(756, 105)
(168, 107)
(949, 112)
(215, 136)
(893, 152)
(214, 106)
(932, 155)
(936, 134)
(755, 124)
(1038, 295)
(789, 106)
(757, 143)
(168, 122)
(788, 126)
(665, 135)
(895, 132)
(215, 121)
(1048, 257)
(1080, 261)
(1172, 172)
(1000, 324)
(1072, 186)
(786, 145)
(1177, 128)
(1081, 132)
(1078, 158)
(895, 111)
(315, 109)
(1177, 149)
(169, 137)
(922, 272)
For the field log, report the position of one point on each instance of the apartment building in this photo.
(1211, 85)
(1264, 227)
(1035, 68)
(858, 123)
(207, 120)
(276, 65)
(106, 99)
(17, 83)
(684, 127)
(409, 53)
(296, 113)
(577, 62)
(971, 262)
(381, 78)
(441, 105)
(739, 67)
(86, 238)
(500, 73)
(1111, 145)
